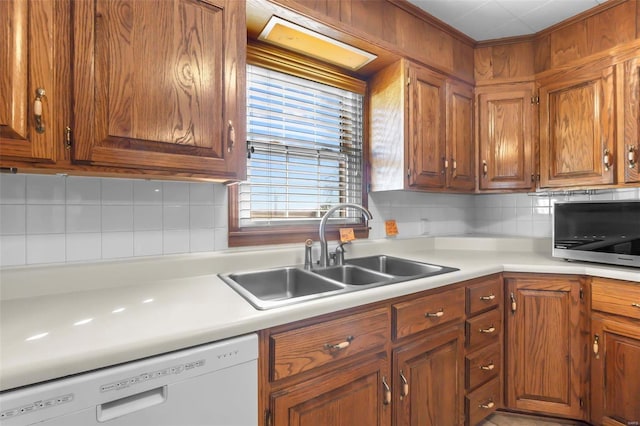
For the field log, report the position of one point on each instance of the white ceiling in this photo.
(492, 19)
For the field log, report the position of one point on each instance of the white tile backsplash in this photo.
(51, 218)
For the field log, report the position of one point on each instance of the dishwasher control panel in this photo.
(153, 375)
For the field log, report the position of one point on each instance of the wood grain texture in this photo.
(303, 349)
(615, 388)
(630, 145)
(477, 364)
(343, 397)
(544, 345)
(484, 295)
(433, 369)
(164, 87)
(476, 403)
(478, 330)
(410, 317)
(506, 120)
(615, 297)
(504, 61)
(577, 125)
(27, 52)
(460, 138)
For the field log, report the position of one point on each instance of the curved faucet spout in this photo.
(324, 250)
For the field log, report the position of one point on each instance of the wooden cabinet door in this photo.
(426, 154)
(353, 395)
(545, 345)
(159, 84)
(460, 145)
(27, 54)
(578, 130)
(506, 123)
(428, 380)
(630, 148)
(615, 371)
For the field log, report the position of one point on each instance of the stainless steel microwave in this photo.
(598, 231)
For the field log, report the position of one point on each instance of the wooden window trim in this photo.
(280, 60)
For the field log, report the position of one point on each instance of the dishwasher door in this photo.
(210, 385)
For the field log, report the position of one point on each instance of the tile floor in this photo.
(508, 419)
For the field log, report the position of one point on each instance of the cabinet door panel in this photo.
(615, 372)
(506, 138)
(545, 347)
(630, 158)
(577, 130)
(433, 369)
(427, 103)
(155, 81)
(461, 156)
(27, 52)
(345, 397)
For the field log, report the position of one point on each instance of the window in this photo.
(305, 154)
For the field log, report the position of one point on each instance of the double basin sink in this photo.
(272, 288)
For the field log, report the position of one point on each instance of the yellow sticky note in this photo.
(391, 227)
(346, 235)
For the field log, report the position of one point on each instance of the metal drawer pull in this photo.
(37, 110)
(490, 297)
(387, 392)
(596, 346)
(636, 305)
(405, 386)
(339, 346)
(491, 329)
(514, 305)
(607, 159)
(487, 405)
(438, 314)
(488, 367)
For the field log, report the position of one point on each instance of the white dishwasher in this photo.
(209, 385)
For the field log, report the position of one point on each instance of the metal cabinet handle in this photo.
(513, 303)
(37, 110)
(232, 136)
(387, 392)
(635, 305)
(405, 386)
(339, 346)
(487, 405)
(632, 158)
(489, 297)
(437, 314)
(606, 159)
(596, 346)
(490, 329)
(454, 165)
(446, 165)
(485, 168)
(488, 367)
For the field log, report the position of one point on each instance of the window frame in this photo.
(267, 56)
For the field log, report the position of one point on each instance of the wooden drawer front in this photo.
(616, 297)
(484, 296)
(483, 329)
(482, 366)
(482, 402)
(427, 312)
(309, 347)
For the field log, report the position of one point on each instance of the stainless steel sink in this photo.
(271, 288)
(399, 267)
(277, 287)
(353, 275)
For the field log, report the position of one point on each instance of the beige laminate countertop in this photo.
(65, 319)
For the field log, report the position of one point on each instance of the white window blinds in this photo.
(305, 149)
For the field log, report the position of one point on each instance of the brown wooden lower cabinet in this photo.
(546, 361)
(427, 375)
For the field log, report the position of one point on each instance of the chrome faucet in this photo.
(324, 249)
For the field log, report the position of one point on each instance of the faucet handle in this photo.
(308, 261)
(338, 255)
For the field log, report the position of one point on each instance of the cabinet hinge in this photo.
(535, 100)
(267, 418)
(68, 139)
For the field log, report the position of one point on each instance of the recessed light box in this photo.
(302, 40)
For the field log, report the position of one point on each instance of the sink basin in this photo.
(277, 287)
(272, 288)
(398, 267)
(353, 275)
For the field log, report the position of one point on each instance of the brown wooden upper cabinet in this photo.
(578, 128)
(421, 130)
(506, 126)
(630, 147)
(159, 85)
(28, 114)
